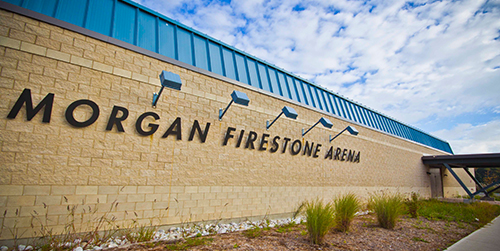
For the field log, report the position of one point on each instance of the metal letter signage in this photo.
(71, 108)
(25, 97)
(250, 140)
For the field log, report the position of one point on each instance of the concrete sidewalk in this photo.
(484, 239)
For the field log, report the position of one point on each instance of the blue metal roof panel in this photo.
(306, 92)
(253, 75)
(273, 79)
(98, 10)
(295, 89)
(16, 2)
(166, 34)
(185, 46)
(45, 7)
(326, 101)
(338, 107)
(229, 63)
(201, 52)
(216, 64)
(73, 12)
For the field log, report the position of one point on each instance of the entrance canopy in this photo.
(482, 160)
(466, 161)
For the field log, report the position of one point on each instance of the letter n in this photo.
(196, 128)
(25, 97)
(350, 156)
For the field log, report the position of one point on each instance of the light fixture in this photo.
(289, 113)
(167, 79)
(324, 121)
(239, 98)
(350, 129)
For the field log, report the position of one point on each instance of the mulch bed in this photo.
(365, 234)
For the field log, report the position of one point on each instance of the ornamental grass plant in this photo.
(413, 204)
(345, 208)
(388, 208)
(319, 219)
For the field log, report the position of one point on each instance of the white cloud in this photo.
(466, 138)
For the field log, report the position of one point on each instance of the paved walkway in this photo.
(484, 239)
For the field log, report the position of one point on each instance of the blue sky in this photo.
(431, 64)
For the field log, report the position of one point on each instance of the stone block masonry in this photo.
(189, 169)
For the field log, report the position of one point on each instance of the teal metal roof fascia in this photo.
(128, 32)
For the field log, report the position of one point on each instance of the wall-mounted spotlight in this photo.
(324, 121)
(289, 113)
(167, 79)
(239, 98)
(350, 129)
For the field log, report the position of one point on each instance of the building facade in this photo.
(77, 127)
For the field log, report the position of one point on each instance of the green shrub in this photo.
(459, 212)
(478, 212)
(412, 204)
(319, 219)
(388, 208)
(345, 208)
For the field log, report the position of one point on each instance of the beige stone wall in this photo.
(47, 168)
(451, 188)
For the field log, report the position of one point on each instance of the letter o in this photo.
(292, 148)
(71, 108)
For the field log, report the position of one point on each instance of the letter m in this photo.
(25, 97)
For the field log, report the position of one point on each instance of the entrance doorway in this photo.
(436, 183)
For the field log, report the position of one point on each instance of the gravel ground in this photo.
(365, 234)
